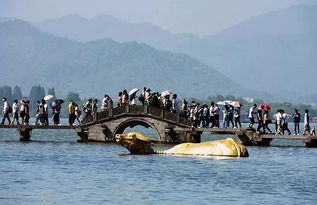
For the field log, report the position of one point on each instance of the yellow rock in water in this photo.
(139, 144)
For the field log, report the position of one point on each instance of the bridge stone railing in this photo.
(139, 109)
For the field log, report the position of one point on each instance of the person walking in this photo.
(45, 120)
(125, 98)
(43, 113)
(22, 112)
(132, 99)
(236, 116)
(306, 123)
(279, 121)
(142, 96)
(27, 112)
(104, 104)
(147, 96)
(296, 117)
(266, 121)
(174, 104)
(285, 122)
(56, 113)
(184, 108)
(212, 115)
(206, 117)
(251, 116)
(225, 119)
(38, 117)
(77, 113)
(15, 110)
(192, 112)
(6, 110)
(87, 107)
(94, 106)
(230, 116)
(260, 119)
(71, 113)
(167, 103)
(119, 103)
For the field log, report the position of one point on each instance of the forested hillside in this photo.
(30, 57)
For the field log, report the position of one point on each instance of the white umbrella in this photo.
(228, 102)
(48, 97)
(133, 91)
(225, 102)
(165, 93)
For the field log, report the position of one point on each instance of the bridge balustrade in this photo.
(103, 114)
(155, 111)
(170, 116)
(136, 109)
(139, 109)
(118, 110)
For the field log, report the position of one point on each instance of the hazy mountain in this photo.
(4, 19)
(300, 19)
(103, 26)
(273, 52)
(30, 57)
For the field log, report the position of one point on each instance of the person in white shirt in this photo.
(104, 105)
(147, 96)
(279, 121)
(214, 115)
(15, 110)
(174, 104)
(5, 111)
(252, 113)
(306, 123)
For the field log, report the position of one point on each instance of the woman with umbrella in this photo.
(56, 106)
(132, 95)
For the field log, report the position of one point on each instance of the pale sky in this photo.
(203, 17)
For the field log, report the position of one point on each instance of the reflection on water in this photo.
(54, 169)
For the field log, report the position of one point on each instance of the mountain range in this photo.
(274, 52)
(29, 57)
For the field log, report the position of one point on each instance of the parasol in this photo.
(264, 107)
(48, 97)
(165, 93)
(236, 104)
(133, 91)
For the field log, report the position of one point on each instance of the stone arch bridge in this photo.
(169, 127)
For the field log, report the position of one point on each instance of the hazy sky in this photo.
(180, 16)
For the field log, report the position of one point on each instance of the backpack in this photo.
(10, 109)
(141, 98)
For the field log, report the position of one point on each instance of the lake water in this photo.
(54, 169)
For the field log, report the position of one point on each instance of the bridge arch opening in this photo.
(140, 126)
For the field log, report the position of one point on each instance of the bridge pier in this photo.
(25, 134)
(82, 135)
(250, 138)
(183, 135)
(310, 142)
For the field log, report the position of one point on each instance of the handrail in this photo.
(140, 109)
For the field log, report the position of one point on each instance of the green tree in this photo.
(74, 97)
(16, 94)
(51, 91)
(6, 91)
(37, 93)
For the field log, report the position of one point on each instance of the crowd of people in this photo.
(281, 121)
(199, 115)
